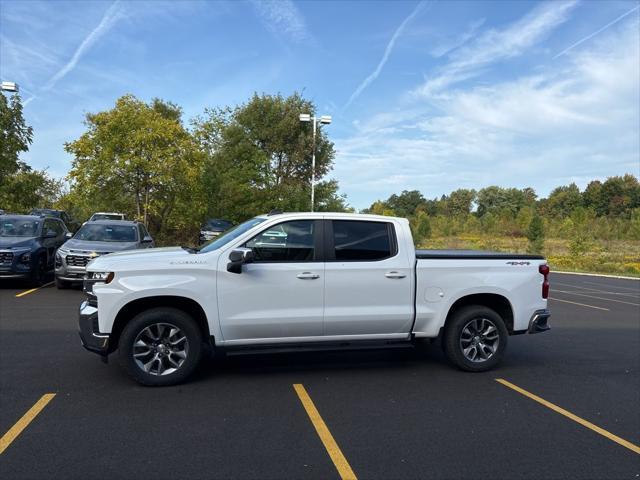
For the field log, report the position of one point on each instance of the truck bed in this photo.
(473, 254)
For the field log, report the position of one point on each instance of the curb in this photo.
(596, 275)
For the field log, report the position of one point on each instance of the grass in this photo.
(615, 257)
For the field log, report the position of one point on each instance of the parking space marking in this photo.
(575, 418)
(589, 289)
(598, 298)
(27, 292)
(24, 422)
(576, 303)
(340, 462)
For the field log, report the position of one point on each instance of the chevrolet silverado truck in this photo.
(295, 281)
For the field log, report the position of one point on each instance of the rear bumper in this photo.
(90, 335)
(539, 321)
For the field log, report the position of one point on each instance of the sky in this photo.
(431, 95)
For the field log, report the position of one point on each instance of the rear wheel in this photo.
(161, 346)
(475, 338)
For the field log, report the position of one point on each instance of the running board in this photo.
(315, 347)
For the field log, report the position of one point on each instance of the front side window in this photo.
(286, 242)
(362, 241)
(96, 232)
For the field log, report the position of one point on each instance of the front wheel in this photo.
(475, 338)
(160, 347)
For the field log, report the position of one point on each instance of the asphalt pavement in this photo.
(392, 414)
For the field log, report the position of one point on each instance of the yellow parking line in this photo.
(27, 292)
(26, 419)
(575, 418)
(576, 303)
(340, 462)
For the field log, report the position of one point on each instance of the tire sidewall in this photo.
(454, 330)
(160, 315)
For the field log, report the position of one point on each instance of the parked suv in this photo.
(71, 224)
(94, 239)
(28, 245)
(213, 228)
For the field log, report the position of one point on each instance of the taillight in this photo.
(544, 270)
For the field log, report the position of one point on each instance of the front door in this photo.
(368, 281)
(280, 295)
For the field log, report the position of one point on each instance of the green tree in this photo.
(27, 188)
(15, 136)
(459, 202)
(139, 158)
(535, 234)
(405, 204)
(258, 157)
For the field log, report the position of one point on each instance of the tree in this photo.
(28, 188)
(562, 201)
(15, 136)
(405, 204)
(258, 157)
(459, 202)
(138, 158)
(535, 234)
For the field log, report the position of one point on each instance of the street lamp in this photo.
(326, 120)
(9, 87)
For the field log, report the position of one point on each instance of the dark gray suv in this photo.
(94, 239)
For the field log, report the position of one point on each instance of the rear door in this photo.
(280, 295)
(367, 282)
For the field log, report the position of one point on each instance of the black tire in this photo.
(453, 338)
(62, 284)
(151, 318)
(39, 271)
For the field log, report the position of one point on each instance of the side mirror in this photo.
(147, 239)
(237, 258)
(50, 234)
(68, 235)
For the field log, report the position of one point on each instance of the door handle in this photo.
(395, 274)
(307, 276)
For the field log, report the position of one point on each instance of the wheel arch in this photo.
(499, 303)
(133, 308)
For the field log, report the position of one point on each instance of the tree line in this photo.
(608, 210)
(143, 159)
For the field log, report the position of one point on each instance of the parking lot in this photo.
(401, 413)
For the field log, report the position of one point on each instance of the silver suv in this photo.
(94, 239)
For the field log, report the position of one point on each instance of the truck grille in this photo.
(6, 257)
(78, 261)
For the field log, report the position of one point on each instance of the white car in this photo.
(332, 280)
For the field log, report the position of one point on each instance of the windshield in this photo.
(106, 216)
(107, 233)
(16, 227)
(231, 235)
(217, 224)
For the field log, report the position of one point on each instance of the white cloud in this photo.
(498, 45)
(573, 121)
(282, 16)
(448, 45)
(110, 18)
(385, 57)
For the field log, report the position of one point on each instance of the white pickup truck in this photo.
(307, 281)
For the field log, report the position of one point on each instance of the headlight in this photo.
(25, 257)
(63, 252)
(105, 277)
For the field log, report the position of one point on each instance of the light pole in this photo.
(326, 120)
(9, 87)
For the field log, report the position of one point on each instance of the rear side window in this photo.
(362, 241)
(286, 242)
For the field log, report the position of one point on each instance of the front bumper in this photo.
(90, 335)
(12, 266)
(539, 321)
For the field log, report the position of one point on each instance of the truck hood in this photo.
(147, 258)
(16, 242)
(86, 245)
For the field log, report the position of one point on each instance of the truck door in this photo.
(279, 295)
(367, 280)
